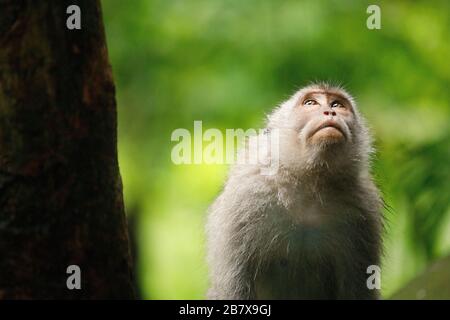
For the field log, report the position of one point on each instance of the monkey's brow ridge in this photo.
(330, 93)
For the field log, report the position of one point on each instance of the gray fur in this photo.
(308, 232)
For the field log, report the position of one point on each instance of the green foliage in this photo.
(227, 63)
(431, 284)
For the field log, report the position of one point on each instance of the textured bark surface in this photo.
(60, 188)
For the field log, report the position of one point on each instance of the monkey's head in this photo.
(320, 127)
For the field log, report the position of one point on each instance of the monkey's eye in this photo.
(336, 104)
(309, 102)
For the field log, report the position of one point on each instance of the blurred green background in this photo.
(228, 63)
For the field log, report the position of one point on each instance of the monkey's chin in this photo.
(328, 135)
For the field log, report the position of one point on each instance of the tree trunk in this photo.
(60, 188)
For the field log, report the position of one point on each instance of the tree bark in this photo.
(60, 188)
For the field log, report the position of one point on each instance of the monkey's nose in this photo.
(327, 113)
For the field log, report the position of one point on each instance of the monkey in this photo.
(311, 229)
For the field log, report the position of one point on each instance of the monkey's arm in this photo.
(364, 250)
(230, 270)
(233, 232)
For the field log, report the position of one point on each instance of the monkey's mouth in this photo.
(329, 125)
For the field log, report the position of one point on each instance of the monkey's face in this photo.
(320, 126)
(324, 118)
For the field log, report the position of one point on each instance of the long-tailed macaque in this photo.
(311, 229)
